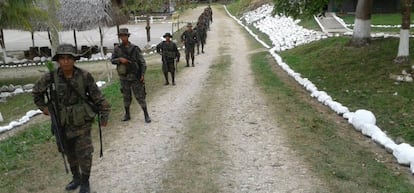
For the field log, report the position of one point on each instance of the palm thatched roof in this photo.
(83, 15)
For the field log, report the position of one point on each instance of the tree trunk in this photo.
(75, 40)
(148, 28)
(33, 42)
(362, 27)
(101, 35)
(404, 46)
(3, 47)
(54, 26)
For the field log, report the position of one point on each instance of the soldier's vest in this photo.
(73, 110)
(168, 50)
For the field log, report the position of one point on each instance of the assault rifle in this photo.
(54, 115)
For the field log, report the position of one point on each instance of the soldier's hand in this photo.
(142, 78)
(123, 60)
(46, 111)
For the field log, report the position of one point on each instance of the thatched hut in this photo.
(80, 15)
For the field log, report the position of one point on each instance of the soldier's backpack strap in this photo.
(93, 107)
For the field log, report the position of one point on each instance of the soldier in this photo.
(131, 67)
(189, 39)
(170, 54)
(201, 32)
(72, 91)
(209, 14)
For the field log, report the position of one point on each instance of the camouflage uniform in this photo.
(130, 75)
(201, 36)
(134, 70)
(189, 37)
(169, 53)
(74, 115)
(209, 12)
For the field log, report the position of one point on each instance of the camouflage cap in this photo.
(189, 24)
(167, 34)
(66, 49)
(123, 31)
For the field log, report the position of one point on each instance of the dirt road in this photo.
(210, 133)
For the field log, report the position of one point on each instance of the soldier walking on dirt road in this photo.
(73, 100)
(131, 67)
(189, 38)
(170, 55)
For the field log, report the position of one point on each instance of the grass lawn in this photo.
(377, 19)
(338, 154)
(359, 78)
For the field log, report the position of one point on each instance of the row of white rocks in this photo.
(282, 31)
(37, 61)
(12, 90)
(26, 118)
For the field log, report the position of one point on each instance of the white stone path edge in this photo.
(26, 118)
(362, 120)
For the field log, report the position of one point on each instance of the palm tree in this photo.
(17, 14)
(362, 28)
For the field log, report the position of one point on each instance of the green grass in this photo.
(16, 107)
(359, 78)
(334, 153)
(19, 81)
(199, 161)
(378, 19)
(237, 8)
(309, 23)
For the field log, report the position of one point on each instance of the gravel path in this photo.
(258, 157)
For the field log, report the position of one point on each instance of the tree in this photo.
(362, 28)
(17, 14)
(143, 7)
(299, 8)
(403, 48)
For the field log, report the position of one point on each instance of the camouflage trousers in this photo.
(168, 65)
(129, 86)
(189, 52)
(79, 153)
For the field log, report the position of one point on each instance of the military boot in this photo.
(127, 115)
(84, 186)
(173, 78)
(75, 181)
(147, 118)
(166, 78)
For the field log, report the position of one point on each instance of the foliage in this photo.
(299, 8)
(17, 13)
(143, 7)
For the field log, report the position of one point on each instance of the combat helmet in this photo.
(66, 49)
